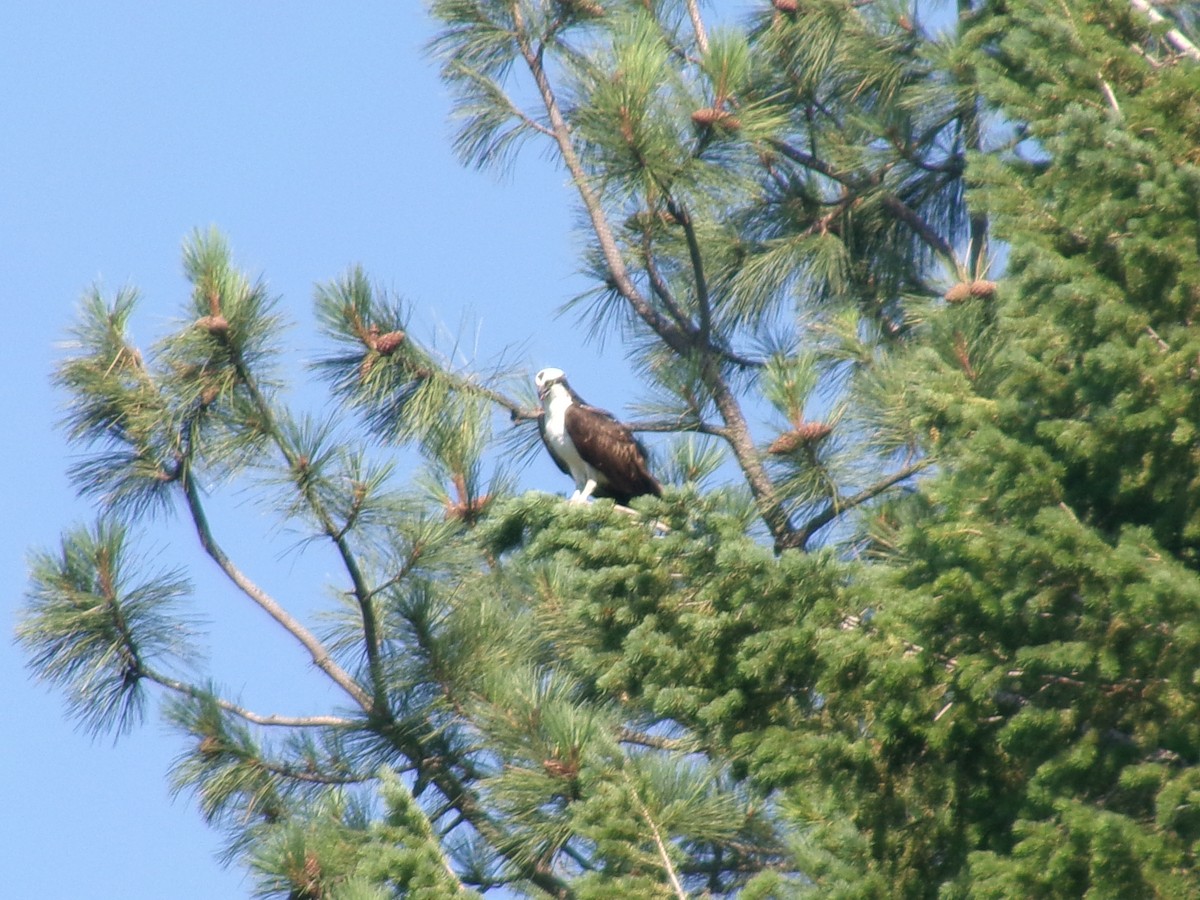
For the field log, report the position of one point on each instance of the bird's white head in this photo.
(546, 379)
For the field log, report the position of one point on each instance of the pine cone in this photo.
(803, 434)
(712, 115)
(965, 290)
(386, 344)
(216, 325)
(560, 769)
(467, 511)
(786, 6)
(985, 290)
(958, 293)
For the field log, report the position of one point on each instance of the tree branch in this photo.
(188, 690)
(308, 777)
(628, 735)
(618, 271)
(467, 386)
(890, 201)
(362, 591)
(693, 9)
(662, 290)
(663, 855)
(679, 211)
(320, 655)
(1174, 36)
(836, 506)
(924, 231)
(659, 426)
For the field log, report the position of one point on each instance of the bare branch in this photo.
(319, 653)
(663, 855)
(188, 690)
(1174, 36)
(1107, 90)
(693, 9)
(679, 424)
(653, 741)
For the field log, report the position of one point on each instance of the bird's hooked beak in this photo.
(546, 379)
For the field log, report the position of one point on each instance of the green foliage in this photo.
(699, 626)
(336, 849)
(96, 625)
(1108, 281)
(1045, 578)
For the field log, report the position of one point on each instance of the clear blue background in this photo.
(315, 136)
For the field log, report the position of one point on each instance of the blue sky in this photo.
(315, 136)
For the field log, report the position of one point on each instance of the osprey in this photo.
(591, 446)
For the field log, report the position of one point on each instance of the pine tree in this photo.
(1014, 712)
(1071, 617)
(817, 675)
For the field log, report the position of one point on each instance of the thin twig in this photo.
(837, 506)
(663, 855)
(188, 690)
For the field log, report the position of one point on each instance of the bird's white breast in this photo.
(556, 433)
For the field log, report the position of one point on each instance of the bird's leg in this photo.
(584, 493)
